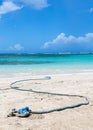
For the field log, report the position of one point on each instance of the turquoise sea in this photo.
(38, 64)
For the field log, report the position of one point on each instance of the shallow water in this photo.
(34, 64)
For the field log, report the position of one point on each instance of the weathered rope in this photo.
(86, 102)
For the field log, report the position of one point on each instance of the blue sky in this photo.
(46, 26)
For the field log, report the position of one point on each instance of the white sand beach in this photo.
(80, 118)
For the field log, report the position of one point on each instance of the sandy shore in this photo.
(80, 118)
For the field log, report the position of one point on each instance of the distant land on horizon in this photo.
(81, 53)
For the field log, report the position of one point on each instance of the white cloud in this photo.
(16, 47)
(8, 6)
(63, 39)
(63, 42)
(37, 4)
(13, 5)
(91, 10)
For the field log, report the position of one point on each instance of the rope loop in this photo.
(86, 102)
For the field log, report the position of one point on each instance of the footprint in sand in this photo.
(36, 116)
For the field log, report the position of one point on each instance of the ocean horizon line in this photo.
(69, 53)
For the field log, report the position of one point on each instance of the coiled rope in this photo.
(85, 102)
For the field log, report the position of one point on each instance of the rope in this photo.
(86, 102)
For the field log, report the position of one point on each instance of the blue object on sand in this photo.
(24, 110)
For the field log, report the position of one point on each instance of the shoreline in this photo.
(3, 75)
